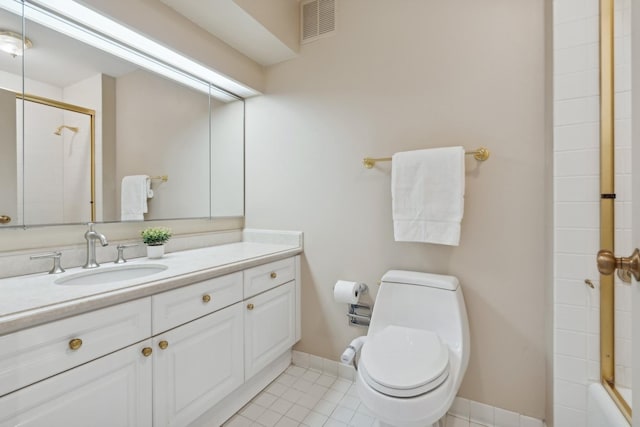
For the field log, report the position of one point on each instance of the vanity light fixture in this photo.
(88, 26)
(13, 43)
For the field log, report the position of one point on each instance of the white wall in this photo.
(576, 146)
(404, 76)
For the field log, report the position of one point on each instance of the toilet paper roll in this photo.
(347, 356)
(346, 291)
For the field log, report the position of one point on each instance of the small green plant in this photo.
(155, 236)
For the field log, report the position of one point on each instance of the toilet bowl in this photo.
(416, 351)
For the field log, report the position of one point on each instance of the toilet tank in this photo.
(422, 300)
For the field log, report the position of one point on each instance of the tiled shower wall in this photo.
(576, 197)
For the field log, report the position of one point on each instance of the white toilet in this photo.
(416, 351)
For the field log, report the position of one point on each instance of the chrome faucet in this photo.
(91, 236)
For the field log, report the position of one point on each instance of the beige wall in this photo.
(163, 134)
(8, 160)
(404, 76)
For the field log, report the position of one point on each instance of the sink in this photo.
(110, 274)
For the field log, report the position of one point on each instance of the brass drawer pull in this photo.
(75, 344)
(146, 352)
(206, 298)
(250, 306)
(273, 275)
(163, 344)
(5, 219)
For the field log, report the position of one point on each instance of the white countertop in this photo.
(35, 299)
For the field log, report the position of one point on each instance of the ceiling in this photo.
(231, 23)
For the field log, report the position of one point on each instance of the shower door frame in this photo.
(607, 201)
(92, 119)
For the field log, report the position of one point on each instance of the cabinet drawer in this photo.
(182, 305)
(36, 353)
(265, 277)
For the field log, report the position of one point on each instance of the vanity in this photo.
(186, 345)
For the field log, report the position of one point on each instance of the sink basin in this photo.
(110, 274)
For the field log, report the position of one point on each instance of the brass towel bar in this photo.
(481, 154)
(163, 178)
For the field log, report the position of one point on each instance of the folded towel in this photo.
(427, 188)
(133, 196)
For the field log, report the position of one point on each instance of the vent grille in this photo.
(318, 19)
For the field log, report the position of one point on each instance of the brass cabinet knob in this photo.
(75, 343)
(146, 352)
(163, 344)
(273, 275)
(5, 219)
(250, 306)
(608, 263)
(206, 298)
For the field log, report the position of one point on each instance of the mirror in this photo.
(99, 119)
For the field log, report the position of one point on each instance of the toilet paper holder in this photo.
(359, 315)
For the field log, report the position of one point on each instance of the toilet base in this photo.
(439, 423)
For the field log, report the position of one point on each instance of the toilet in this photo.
(416, 351)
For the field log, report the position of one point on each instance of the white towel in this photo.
(427, 189)
(133, 197)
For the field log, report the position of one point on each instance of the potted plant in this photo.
(155, 238)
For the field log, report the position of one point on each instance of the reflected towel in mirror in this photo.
(133, 197)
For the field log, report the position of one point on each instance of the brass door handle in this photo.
(163, 344)
(250, 306)
(146, 352)
(627, 267)
(5, 219)
(75, 344)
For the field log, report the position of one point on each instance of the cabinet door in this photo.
(196, 365)
(269, 327)
(114, 390)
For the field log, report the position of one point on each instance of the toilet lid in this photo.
(401, 361)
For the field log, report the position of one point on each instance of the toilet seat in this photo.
(404, 362)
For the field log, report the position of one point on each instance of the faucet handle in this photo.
(121, 248)
(56, 255)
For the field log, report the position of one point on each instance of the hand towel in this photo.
(133, 197)
(427, 190)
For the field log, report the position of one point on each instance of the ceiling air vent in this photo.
(318, 19)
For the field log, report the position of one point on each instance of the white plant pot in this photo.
(155, 251)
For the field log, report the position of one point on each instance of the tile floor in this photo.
(311, 398)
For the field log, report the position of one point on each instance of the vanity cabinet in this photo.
(114, 390)
(269, 327)
(163, 360)
(196, 365)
